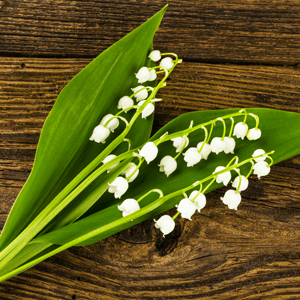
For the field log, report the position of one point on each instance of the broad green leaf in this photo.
(280, 132)
(64, 148)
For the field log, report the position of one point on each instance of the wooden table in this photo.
(236, 54)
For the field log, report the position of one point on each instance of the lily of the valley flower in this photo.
(187, 208)
(232, 199)
(167, 63)
(258, 152)
(155, 55)
(244, 183)
(253, 134)
(131, 169)
(229, 145)
(200, 201)
(240, 130)
(100, 134)
(141, 92)
(191, 156)
(149, 152)
(180, 142)
(261, 169)
(165, 223)
(125, 102)
(217, 145)
(143, 75)
(128, 207)
(153, 75)
(148, 110)
(206, 150)
(223, 177)
(109, 158)
(167, 165)
(112, 125)
(118, 187)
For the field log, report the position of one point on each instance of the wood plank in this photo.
(248, 254)
(252, 31)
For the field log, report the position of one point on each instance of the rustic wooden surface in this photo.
(237, 54)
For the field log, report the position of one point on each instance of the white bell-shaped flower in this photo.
(155, 55)
(191, 156)
(232, 199)
(167, 165)
(165, 223)
(261, 169)
(180, 142)
(100, 134)
(258, 152)
(223, 177)
(167, 63)
(153, 75)
(128, 207)
(118, 187)
(131, 170)
(187, 208)
(143, 75)
(253, 134)
(148, 110)
(229, 145)
(244, 183)
(109, 158)
(206, 150)
(125, 102)
(200, 201)
(240, 130)
(112, 125)
(141, 93)
(149, 152)
(217, 145)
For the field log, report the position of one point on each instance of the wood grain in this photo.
(252, 31)
(222, 254)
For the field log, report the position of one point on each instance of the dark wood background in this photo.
(236, 54)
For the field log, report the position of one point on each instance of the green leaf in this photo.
(64, 148)
(280, 132)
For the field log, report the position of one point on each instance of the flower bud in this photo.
(205, 150)
(109, 158)
(229, 145)
(244, 183)
(99, 134)
(223, 177)
(112, 125)
(143, 75)
(191, 156)
(240, 130)
(125, 102)
(261, 169)
(167, 63)
(167, 165)
(232, 199)
(149, 152)
(200, 201)
(180, 142)
(141, 92)
(254, 134)
(153, 75)
(155, 55)
(128, 207)
(187, 208)
(118, 187)
(217, 145)
(166, 224)
(258, 152)
(148, 110)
